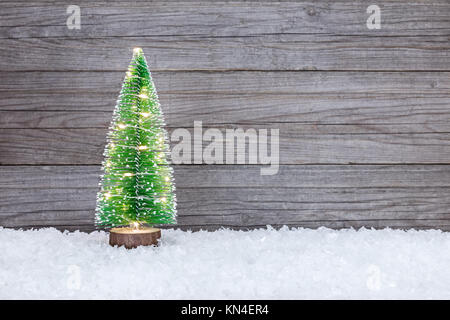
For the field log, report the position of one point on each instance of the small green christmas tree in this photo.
(137, 186)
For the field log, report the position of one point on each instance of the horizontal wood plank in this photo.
(85, 146)
(236, 18)
(325, 35)
(86, 99)
(269, 53)
(243, 176)
(237, 196)
(231, 82)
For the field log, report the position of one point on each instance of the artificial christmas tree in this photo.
(137, 187)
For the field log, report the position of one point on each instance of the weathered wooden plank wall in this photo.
(363, 114)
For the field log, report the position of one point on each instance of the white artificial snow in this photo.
(259, 264)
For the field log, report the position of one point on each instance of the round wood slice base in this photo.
(132, 238)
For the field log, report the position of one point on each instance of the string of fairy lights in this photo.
(137, 186)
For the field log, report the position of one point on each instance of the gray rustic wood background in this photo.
(364, 115)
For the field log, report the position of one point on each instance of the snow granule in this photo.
(226, 264)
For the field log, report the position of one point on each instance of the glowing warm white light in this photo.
(167, 179)
(122, 126)
(128, 74)
(143, 147)
(163, 199)
(135, 225)
(143, 96)
(128, 174)
(107, 195)
(137, 50)
(145, 114)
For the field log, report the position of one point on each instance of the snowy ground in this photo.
(260, 264)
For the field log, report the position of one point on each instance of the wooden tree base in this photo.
(132, 238)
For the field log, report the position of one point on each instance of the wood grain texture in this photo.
(325, 35)
(328, 117)
(213, 196)
(235, 18)
(132, 239)
(364, 115)
(87, 99)
(85, 146)
(220, 13)
(276, 52)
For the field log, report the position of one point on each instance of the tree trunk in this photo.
(132, 238)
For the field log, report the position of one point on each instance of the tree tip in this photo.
(137, 50)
